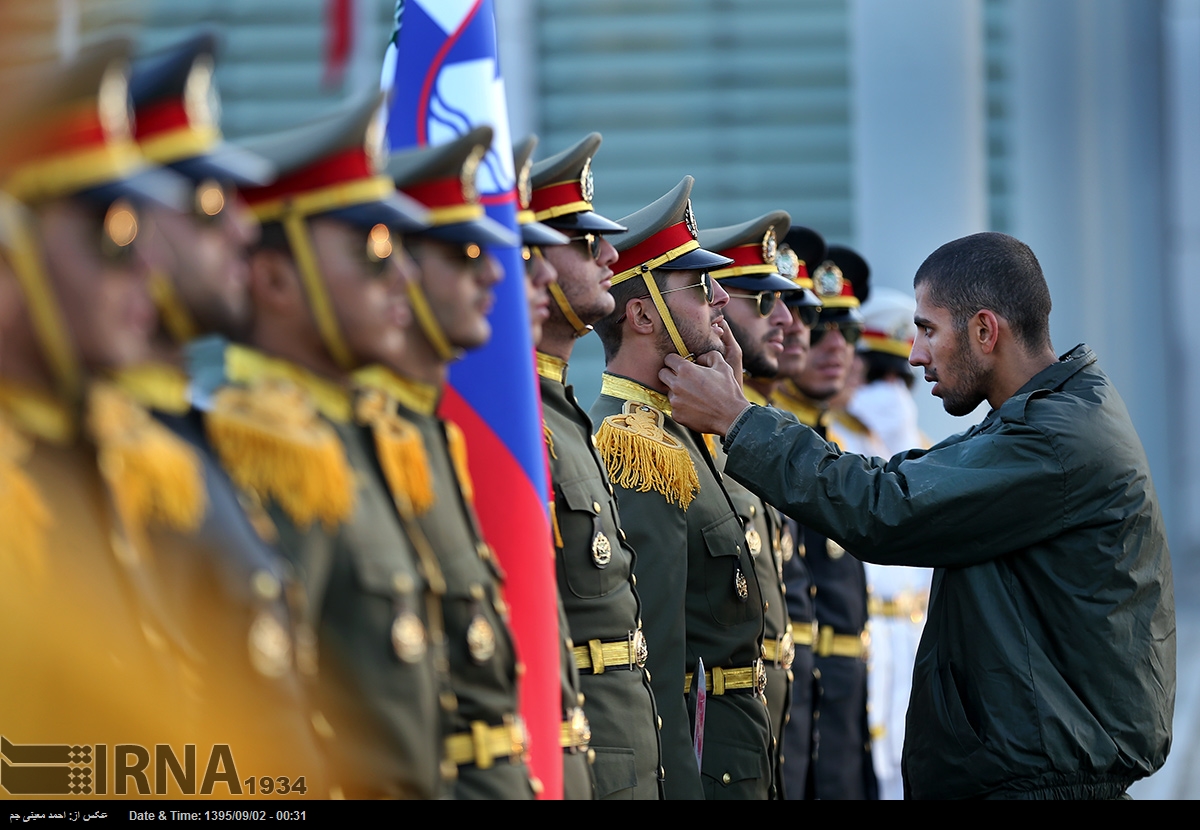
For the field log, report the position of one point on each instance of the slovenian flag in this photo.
(444, 77)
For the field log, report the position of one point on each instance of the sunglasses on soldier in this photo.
(851, 332)
(591, 241)
(765, 299)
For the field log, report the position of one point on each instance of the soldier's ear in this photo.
(638, 313)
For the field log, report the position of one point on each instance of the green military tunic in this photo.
(702, 597)
(370, 607)
(764, 531)
(596, 589)
(482, 661)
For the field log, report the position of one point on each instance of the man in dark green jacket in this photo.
(1047, 665)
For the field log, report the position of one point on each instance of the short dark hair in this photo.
(992, 271)
(608, 329)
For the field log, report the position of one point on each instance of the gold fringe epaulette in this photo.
(458, 456)
(270, 439)
(400, 448)
(24, 517)
(641, 455)
(154, 476)
(157, 386)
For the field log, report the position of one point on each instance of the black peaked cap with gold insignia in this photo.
(442, 178)
(177, 115)
(332, 166)
(563, 189)
(752, 246)
(533, 232)
(75, 136)
(663, 235)
(834, 282)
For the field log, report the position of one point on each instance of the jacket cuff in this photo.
(736, 426)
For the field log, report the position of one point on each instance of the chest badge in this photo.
(740, 585)
(481, 639)
(601, 550)
(788, 545)
(408, 637)
(753, 541)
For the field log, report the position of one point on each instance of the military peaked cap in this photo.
(752, 247)
(563, 189)
(533, 232)
(663, 235)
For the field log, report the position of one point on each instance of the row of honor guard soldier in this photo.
(595, 563)
(841, 760)
(703, 608)
(759, 320)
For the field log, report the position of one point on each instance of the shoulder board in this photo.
(641, 455)
(400, 449)
(270, 439)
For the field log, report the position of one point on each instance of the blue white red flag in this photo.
(444, 76)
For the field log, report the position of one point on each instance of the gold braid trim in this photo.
(641, 455)
(458, 456)
(710, 441)
(24, 518)
(548, 437)
(176, 318)
(400, 449)
(558, 539)
(154, 476)
(273, 444)
(157, 386)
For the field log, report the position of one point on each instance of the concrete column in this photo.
(1088, 170)
(920, 167)
(517, 36)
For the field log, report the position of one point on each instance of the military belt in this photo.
(484, 744)
(780, 651)
(597, 655)
(576, 731)
(805, 633)
(721, 681)
(831, 644)
(905, 605)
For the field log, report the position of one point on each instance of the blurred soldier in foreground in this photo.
(326, 282)
(451, 294)
(758, 320)
(1047, 664)
(595, 563)
(91, 652)
(703, 603)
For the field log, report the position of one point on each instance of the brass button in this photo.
(476, 591)
(579, 699)
(660, 722)
(266, 586)
(633, 580)
(726, 778)
(596, 506)
(753, 510)
(402, 583)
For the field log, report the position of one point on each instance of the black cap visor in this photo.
(397, 211)
(841, 315)
(801, 297)
(697, 260)
(535, 233)
(482, 231)
(228, 163)
(149, 186)
(586, 222)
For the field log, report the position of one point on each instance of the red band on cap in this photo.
(160, 117)
(883, 336)
(70, 132)
(744, 255)
(438, 193)
(343, 167)
(564, 193)
(665, 240)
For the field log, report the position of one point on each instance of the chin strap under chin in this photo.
(49, 327)
(174, 314)
(429, 324)
(314, 287)
(560, 299)
(665, 313)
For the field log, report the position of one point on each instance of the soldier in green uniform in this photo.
(536, 238)
(450, 295)
(702, 597)
(758, 319)
(326, 280)
(91, 652)
(595, 562)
